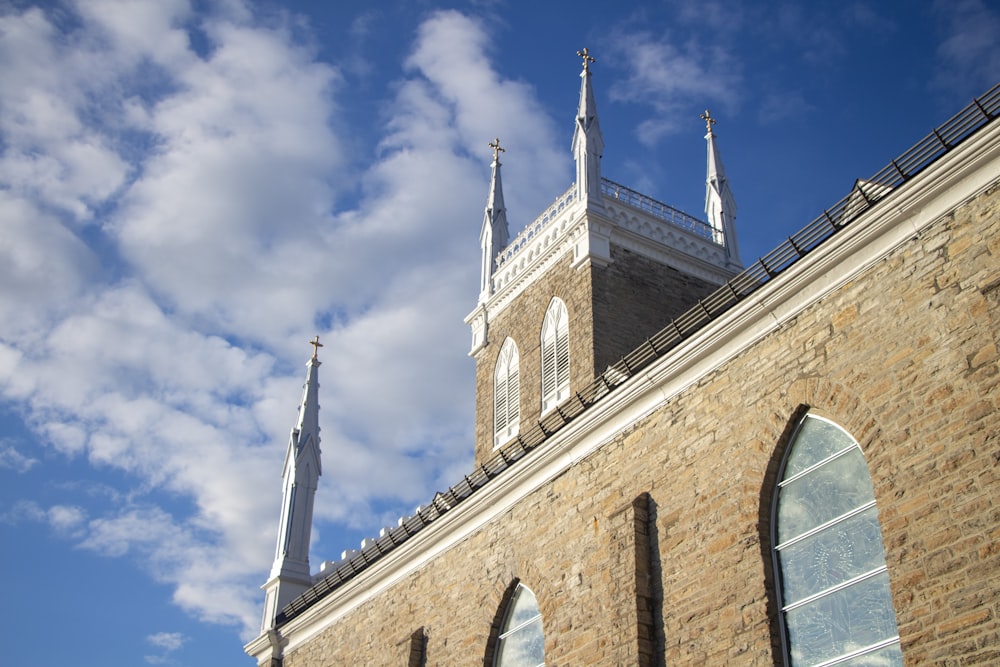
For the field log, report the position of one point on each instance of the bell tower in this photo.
(599, 271)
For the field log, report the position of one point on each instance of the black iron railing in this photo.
(865, 195)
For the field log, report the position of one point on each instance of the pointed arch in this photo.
(555, 355)
(506, 394)
(831, 577)
(517, 638)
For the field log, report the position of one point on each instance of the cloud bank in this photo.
(182, 212)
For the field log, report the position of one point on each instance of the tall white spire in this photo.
(495, 234)
(290, 572)
(588, 142)
(720, 205)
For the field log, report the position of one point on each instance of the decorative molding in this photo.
(479, 322)
(569, 226)
(956, 178)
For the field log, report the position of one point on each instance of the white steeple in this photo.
(720, 206)
(588, 142)
(495, 234)
(290, 572)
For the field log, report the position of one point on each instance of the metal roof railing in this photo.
(658, 209)
(865, 195)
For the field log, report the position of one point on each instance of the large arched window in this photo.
(836, 605)
(521, 642)
(555, 355)
(506, 395)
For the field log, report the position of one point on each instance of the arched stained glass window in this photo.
(834, 588)
(522, 642)
(506, 395)
(555, 355)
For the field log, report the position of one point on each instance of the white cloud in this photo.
(968, 54)
(24, 510)
(452, 51)
(66, 519)
(168, 641)
(43, 267)
(141, 29)
(226, 220)
(167, 290)
(50, 153)
(671, 74)
(778, 106)
(12, 459)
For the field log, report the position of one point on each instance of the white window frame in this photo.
(554, 339)
(506, 394)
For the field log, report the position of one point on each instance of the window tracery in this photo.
(836, 604)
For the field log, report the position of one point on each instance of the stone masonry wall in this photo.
(611, 311)
(634, 297)
(904, 357)
(523, 323)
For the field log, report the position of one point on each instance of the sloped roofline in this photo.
(982, 112)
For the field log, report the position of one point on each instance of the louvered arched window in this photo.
(555, 355)
(521, 642)
(836, 606)
(506, 395)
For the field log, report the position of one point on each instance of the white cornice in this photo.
(552, 242)
(912, 208)
(588, 235)
(669, 245)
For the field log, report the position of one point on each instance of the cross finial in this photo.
(709, 121)
(497, 149)
(587, 58)
(316, 345)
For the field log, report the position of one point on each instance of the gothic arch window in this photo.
(555, 355)
(521, 642)
(506, 395)
(833, 586)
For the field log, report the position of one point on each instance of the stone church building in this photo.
(683, 460)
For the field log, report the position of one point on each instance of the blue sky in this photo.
(191, 190)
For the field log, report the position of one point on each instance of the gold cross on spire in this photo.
(497, 149)
(316, 345)
(587, 58)
(709, 121)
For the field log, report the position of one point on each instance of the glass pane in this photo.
(848, 620)
(890, 656)
(523, 648)
(522, 643)
(832, 556)
(524, 608)
(816, 440)
(836, 488)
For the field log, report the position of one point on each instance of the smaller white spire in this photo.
(495, 234)
(720, 205)
(299, 478)
(588, 141)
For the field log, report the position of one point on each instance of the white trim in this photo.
(916, 205)
(588, 236)
(871, 648)
(507, 420)
(823, 526)
(802, 473)
(553, 345)
(870, 574)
